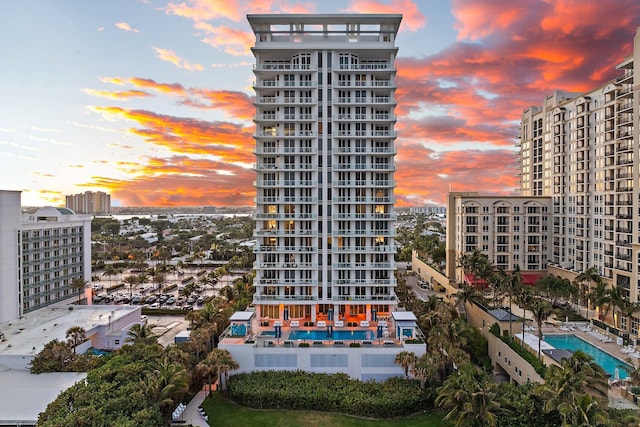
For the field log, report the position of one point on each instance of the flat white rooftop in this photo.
(29, 334)
(23, 395)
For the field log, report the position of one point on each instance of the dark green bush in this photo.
(299, 390)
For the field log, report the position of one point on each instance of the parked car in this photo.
(170, 301)
(154, 305)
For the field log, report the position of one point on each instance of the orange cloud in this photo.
(228, 141)
(412, 18)
(183, 181)
(237, 104)
(170, 56)
(174, 89)
(117, 95)
(232, 40)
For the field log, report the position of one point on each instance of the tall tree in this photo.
(406, 359)
(541, 309)
(76, 335)
(78, 284)
(141, 334)
(584, 281)
(469, 397)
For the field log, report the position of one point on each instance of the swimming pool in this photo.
(573, 343)
(321, 334)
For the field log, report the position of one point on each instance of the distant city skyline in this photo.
(151, 101)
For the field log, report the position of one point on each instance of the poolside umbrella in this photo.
(330, 314)
(616, 374)
(286, 314)
(374, 314)
(329, 330)
(379, 331)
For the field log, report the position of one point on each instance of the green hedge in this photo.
(297, 390)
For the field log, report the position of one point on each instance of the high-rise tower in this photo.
(325, 98)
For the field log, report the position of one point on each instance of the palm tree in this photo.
(75, 336)
(141, 334)
(131, 281)
(524, 297)
(616, 300)
(225, 364)
(467, 294)
(424, 370)
(582, 411)
(600, 297)
(470, 398)
(577, 374)
(167, 383)
(627, 309)
(584, 281)
(511, 283)
(541, 309)
(208, 368)
(78, 284)
(110, 270)
(406, 359)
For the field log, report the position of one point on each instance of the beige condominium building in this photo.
(582, 150)
(511, 231)
(89, 202)
(324, 113)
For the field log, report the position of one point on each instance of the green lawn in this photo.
(223, 413)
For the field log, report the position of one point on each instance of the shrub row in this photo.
(297, 390)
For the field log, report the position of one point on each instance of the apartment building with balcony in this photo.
(325, 100)
(40, 255)
(582, 150)
(54, 248)
(512, 231)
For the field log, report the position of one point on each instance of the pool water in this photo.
(321, 334)
(604, 359)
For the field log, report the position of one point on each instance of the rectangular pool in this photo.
(339, 334)
(605, 360)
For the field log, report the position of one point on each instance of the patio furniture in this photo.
(294, 323)
(322, 323)
(364, 323)
(338, 323)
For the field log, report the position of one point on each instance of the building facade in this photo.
(54, 248)
(10, 222)
(428, 210)
(583, 151)
(89, 202)
(325, 100)
(511, 231)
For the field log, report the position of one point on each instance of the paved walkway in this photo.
(191, 414)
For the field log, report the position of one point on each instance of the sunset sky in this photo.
(151, 100)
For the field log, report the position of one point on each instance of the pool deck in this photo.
(616, 390)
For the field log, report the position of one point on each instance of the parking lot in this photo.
(180, 292)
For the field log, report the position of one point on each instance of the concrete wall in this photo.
(363, 363)
(519, 370)
(438, 281)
